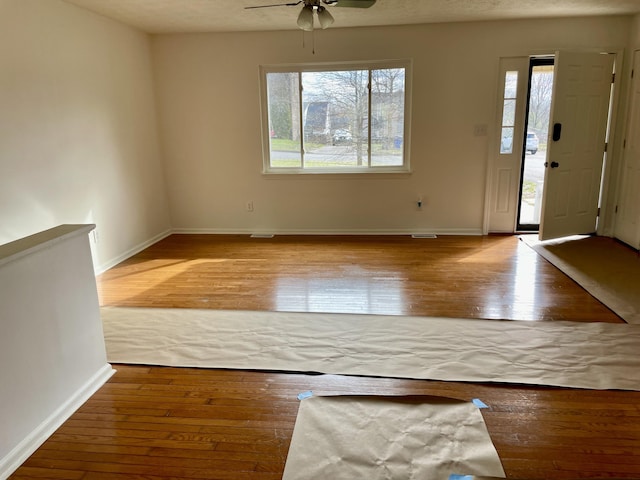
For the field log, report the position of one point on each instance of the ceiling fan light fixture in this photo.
(324, 17)
(305, 19)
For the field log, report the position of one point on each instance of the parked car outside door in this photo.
(532, 143)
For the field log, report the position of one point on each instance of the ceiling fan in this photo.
(305, 18)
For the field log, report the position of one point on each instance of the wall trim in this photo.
(436, 231)
(42, 432)
(103, 267)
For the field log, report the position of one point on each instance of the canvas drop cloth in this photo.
(583, 355)
(389, 438)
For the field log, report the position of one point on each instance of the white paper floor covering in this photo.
(582, 355)
(381, 438)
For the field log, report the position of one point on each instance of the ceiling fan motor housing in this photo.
(305, 18)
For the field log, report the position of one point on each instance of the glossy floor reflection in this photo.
(340, 295)
(451, 276)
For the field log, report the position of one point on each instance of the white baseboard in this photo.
(261, 232)
(40, 434)
(131, 252)
(435, 231)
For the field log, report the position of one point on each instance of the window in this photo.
(509, 112)
(345, 118)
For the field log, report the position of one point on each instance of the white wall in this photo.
(78, 136)
(634, 36)
(210, 124)
(625, 221)
(52, 351)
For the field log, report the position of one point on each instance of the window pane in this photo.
(506, 142)
(511, 84)
(509, 113)
(284, 120)
(387, 116)
(335, 118)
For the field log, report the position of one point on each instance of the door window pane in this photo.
(511, 84)
(509, 112)
(506, 141)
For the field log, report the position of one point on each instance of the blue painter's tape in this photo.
(454, 476)
(303, 395)
(479, 403)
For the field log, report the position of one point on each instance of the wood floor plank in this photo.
(214, 476)
(224, 470)
(162, 423)
(97, 448)
(133, 441)
(216, 462)
(29, 473)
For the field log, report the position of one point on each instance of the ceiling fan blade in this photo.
(293, 4)
(353, 3)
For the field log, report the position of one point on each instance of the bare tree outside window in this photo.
(540, 100)
(346, 96)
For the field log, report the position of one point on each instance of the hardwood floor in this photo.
(469, 277)
(159, 423)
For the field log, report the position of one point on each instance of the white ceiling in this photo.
(175, 16)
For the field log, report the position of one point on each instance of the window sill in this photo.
(364, 171)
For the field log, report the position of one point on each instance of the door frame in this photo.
(533, 61)
(608, 192)
(614, 155)
(628, 121)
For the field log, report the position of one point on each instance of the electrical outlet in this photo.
(250, 206)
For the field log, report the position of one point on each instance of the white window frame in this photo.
(325, 67)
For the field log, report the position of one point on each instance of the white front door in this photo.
(577, 135)
(628, 218)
